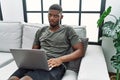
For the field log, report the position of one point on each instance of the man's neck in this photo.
(53, 29)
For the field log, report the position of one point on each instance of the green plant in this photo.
(112, 29)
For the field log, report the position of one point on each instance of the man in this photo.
(61, 44)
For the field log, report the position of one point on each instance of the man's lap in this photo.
(56, 73)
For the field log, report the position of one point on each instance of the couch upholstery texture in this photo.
(21, 35)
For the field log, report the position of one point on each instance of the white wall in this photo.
(12, 10)
(107, 44)
(115, 6)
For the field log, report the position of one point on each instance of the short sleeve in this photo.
(72, 36)
(36, 40)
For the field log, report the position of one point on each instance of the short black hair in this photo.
(56, 7)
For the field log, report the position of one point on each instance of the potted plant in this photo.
(112, 29)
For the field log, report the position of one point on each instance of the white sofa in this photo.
(21, 35)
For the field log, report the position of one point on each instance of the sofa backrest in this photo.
(29, 30)
(21, 35)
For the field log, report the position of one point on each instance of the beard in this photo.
(54, 25)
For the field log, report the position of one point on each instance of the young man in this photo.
(61, 44)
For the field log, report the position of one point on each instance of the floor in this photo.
(112, 76)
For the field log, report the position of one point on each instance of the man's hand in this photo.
(54, 62)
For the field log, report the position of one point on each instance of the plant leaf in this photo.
(115, 61)
(105, 13)
(108, 29)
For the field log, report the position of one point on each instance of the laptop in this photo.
(30, 58)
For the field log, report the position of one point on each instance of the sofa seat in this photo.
(6, 71)
(5, 58)
(93, 67)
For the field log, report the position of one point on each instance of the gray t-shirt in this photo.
(56, 43)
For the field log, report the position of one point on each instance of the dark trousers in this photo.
(37, 74)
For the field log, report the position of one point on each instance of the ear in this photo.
(61, 17)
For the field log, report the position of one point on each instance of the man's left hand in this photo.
(54, 62)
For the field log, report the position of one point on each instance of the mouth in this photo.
(51, 22)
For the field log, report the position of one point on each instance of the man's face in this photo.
(54, 17)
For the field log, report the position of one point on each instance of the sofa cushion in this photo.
(29, 31)
(80, 30)
(85, 43)
(10, 35)
(74, 65)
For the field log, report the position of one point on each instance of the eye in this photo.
(56, 16)
(49, 15)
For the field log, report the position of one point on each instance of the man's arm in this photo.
(77, 53)
(35, 47)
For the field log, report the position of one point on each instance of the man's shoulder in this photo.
(68, 27)
(43, 28)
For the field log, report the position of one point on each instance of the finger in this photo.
(51, 65)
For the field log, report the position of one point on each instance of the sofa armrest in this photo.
(8, 70)
(5, 58)
(93, 65)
